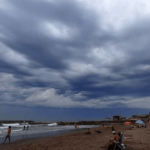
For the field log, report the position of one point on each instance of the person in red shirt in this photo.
(8, 134)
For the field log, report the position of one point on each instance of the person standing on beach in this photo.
(8, 134)
(75, 126)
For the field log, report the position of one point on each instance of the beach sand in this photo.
(78, 140)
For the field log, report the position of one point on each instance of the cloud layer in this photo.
(75, 53)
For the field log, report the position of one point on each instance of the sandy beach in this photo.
(78, 140)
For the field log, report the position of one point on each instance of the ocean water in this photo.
(35, 131)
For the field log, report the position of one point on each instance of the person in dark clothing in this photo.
(8, 134)
(113, 129)
(97, 131)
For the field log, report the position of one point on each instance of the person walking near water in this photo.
(8, 134)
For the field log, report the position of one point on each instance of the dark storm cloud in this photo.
(12, 69)
(70, 49)
(25, 37)
(130, 85)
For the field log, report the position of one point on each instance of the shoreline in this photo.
(39, 131)
(79, 140)
(36, 135)
(84, 122)
(35, 139)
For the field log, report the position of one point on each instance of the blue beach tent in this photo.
(106, 123)
(139, 122)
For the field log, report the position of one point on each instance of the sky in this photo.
(74, 59)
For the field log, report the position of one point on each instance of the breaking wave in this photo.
(12, 125)
(52, 124)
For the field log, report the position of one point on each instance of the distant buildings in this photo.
(108, 119)
(145, 117)
(124, 118)
(116, 118)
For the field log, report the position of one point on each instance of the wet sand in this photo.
(78, 140)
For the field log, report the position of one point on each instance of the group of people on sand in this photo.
(89, 132)
(111, 144)
(137, 126)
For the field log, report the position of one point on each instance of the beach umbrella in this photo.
(126, 123)
(139, 122)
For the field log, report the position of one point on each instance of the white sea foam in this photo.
(12, 125)
(16, 130)
(15, 125)
(52, 124)
(3, 127)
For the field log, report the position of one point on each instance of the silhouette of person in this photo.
(8, 134)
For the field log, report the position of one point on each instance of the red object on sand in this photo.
(128, 123)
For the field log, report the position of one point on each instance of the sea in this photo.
(35, 131)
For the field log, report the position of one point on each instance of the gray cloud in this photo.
(66, 54)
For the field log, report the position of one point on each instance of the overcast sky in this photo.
(74, 54)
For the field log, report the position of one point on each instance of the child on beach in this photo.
(8, 134)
